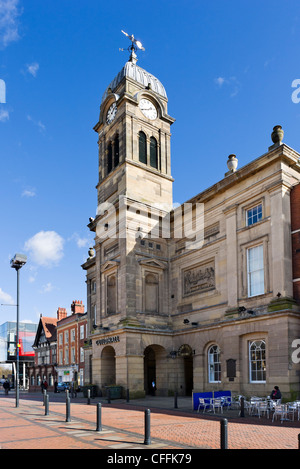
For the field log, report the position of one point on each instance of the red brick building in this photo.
(71, 334)
(58, 348)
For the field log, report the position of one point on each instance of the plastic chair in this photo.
(263, 409)
(217, 404)
(280, 410)
(203, 404)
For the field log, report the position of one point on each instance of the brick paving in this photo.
(27, 427)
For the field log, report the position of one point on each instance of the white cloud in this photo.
(9, 13)
(4, 115)
(29, 192)
(47, 288)
(6, 298)
(219, 81)
(39, 124)
(232, 83)
(45, 248)
(80, 242)
(33, 68)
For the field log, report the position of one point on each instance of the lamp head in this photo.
(18, 261)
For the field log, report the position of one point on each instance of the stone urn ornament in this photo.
(232, 163)
(277, 135)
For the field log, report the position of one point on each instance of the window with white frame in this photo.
(254, 215)
(82, 332)
(257, 361)
(214, 364)
(255, 271)
(81, 354)
(73, 335)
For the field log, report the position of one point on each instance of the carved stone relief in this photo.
(199, 279)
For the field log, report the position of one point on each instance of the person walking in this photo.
(6, 386)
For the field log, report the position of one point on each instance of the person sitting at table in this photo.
(275, 394)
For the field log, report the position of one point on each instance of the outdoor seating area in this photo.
(218, 402)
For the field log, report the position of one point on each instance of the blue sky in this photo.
(228, 69)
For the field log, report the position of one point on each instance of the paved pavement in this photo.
(123, 426)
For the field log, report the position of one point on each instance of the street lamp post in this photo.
(17, 263)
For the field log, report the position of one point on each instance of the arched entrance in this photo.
(108, 366)
(186, 353)
(155, 369)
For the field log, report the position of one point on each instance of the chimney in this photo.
(61, 313)
(77, 307)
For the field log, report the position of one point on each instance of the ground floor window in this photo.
(214, 364)
(257, 361)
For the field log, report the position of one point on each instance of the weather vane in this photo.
(135, 45)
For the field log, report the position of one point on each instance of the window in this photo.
(73, 335)
(109, 158)
(153, 153)
(255, 271)
(142, 148)
(81, 354)
(214, 364)
(254, 215)
(257, 361)
(81, 332)
(116, 152)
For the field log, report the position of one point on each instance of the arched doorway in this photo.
(186, 353)
(155, 369)
(108, 366)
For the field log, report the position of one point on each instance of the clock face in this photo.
(148, 109)
(111, 113)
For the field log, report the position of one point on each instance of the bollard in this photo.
(108, 396)
(88, 397)
(242, 407)
(127, 395)
(44, 397)
(147, 440)
(298, 440)
(68, 410)
(175, 400)
(224, 434)
(99, 419)
(47, 404)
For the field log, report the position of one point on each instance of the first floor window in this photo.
(255, 271)
(257, 359)
(214, 364)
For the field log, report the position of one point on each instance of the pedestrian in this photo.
(45, 385)
(275, 394)
(6, 386)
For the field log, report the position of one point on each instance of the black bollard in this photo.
(88, 397)
(99, 419)
(242, 407)
(108, 396)
(68, 410)
(175, 400)
(127, 395)
(298, 440)
(224, 434)
(147, 427)
(47, 404)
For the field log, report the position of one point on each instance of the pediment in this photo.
(146, 262)
(109, 265)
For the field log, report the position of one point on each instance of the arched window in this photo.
(214, 364)
(257, 361)
(109, 158)
(153, 153)
(142, 148)
(116, 148)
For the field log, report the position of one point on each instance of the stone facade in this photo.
(201, 297)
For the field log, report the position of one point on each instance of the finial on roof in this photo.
(276, 136)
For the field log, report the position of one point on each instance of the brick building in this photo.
(71, 334)
(58, 348)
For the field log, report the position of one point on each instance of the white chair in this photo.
(280, 410)
(217, 403)
(204, 404)
(263, 409)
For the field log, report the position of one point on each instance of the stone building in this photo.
(202, 297)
